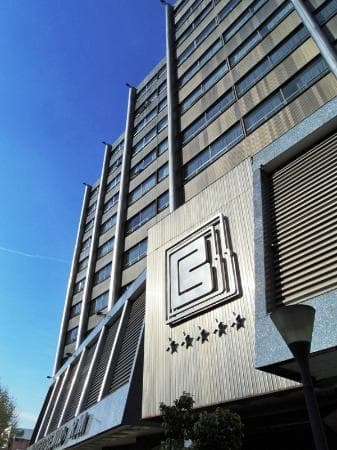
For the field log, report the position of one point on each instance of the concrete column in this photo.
(117, 259)
(318, 35)
(72, 277)
(174, 144)
(82, 328)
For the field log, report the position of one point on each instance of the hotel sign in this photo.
(200, 271)
(59, 437)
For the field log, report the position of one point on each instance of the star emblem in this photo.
(222, 327)
(203, 335)
(188, 340)
(173, 346)
(239, 322)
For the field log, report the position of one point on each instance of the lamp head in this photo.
(295, 323)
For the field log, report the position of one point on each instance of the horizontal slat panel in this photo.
(304, 223)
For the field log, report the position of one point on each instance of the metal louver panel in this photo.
(127, 352)
(101, 365)
(304, 224)
(76, 393)
(49, 410)
(62, 398)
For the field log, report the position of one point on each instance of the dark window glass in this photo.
(136, 253)
(99, 303)
(102, 274)
(163, 172)
(71, 335)
(83, 264)
(75, 310)
(79, 286)
(108, 223)
(105, 248)
(163, 201)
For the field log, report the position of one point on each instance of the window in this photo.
(111, 202)
(113, 183)
(108, 224)
(163, 201)
(99, 303)
(102, 274)
(162, 124)
(213, 151)
(144, 187)
(75, 310)
(91, 208)
(146, 161)
(163, 172)
(88, 225)
(115, 164)
(144, 141)
(210, 114)
(71, 336)
(227, 9)
(94, 191)
(83, 264)
(263, 112)
(145, 121)
(186, 14)
(162, 104)
(326, 11)
(162, 147)
(142, 217)
(105, 248)
(204, 58)
(85, 244)
(79, 286)
(135, 253)
(209, 82)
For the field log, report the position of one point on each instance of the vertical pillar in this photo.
(82, 328)
(72, 277)
(318, 35)
(117, 259)
(174, 147)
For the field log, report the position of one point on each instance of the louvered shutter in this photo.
(303, 200)
(101, 365)
(127, 353)
(77, 391)
(50, 407)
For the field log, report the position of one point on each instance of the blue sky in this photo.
(64, 64)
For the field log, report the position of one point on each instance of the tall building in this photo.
(215, 207)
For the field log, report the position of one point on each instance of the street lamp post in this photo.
(295, 324)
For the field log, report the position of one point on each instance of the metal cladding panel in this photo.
(77, 390)
(49, 407)
(303, 207)
(101, 365)
(222, 368)
(127, 353)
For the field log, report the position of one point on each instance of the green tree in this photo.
(7, 413)
(218, 430)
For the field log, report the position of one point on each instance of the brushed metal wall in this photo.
(222, 369)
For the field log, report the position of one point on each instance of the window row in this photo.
(162, 124)
(149, 183)
(111, 202)
(83, 264)
(280, 52)
(79, 286)
(86, 244)
(187, 13)
(196, 22)
(91, 208)
(118, 149)
(230, 32)
(260, 114)
(94, 191)
(113, 183)
(218, 107)
(135, 254)
(149, 85)
(150, 116)
(147, 213)
(102, 274)
(244, 49)
(149, 158)
(147, 102)
(99, 303)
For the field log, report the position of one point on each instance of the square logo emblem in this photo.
(200, 271)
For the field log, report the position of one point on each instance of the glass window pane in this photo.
(263, 111)
(163, 172)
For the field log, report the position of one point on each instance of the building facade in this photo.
(216, 206)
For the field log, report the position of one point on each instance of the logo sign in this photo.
(58, 438)
(200, 271)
